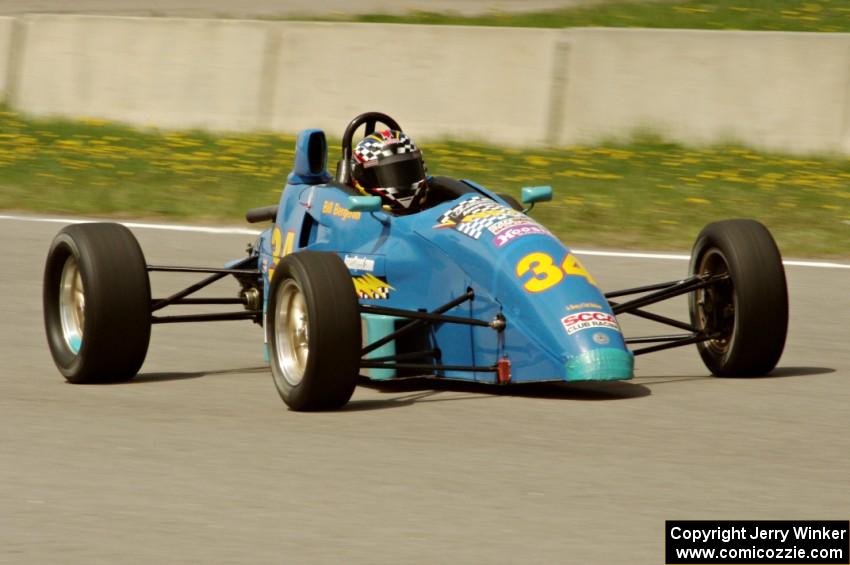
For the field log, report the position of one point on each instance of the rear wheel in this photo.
(96, 299)
(313, 325)
(748, 312)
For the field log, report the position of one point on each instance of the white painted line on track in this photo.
(630, 255)
(139, 225)
(634, 255)
(816, 264)
(246, 231)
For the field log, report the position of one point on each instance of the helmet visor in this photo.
(400, 172)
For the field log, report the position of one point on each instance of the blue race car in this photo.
(384, 271)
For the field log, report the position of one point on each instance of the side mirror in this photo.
(534, 194)
(364, 203)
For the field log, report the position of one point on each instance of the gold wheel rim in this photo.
(292, 332)
(72, 304)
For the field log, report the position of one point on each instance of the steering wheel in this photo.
(371, 119)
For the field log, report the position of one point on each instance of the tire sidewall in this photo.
(704, 245)
(116, 289)
(67, 361)
(759, 296)
(330, 373)
(291, 394)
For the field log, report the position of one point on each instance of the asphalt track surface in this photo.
(198, 461)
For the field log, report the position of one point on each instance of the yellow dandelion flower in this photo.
(94, 121)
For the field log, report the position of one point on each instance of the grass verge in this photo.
(784, 15)
(644, 194)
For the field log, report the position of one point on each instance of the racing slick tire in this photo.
(97, 303)
(313, 331)
(748, 311)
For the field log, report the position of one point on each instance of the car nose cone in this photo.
(602, 364)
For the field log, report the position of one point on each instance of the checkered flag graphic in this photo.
(381, 293)
(475, 228)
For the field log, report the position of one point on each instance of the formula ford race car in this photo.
(469, 287)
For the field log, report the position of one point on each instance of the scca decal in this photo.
(585, 320)
(371, 287)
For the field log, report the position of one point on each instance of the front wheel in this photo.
(313, 331)
(97, 303)
(747, 313)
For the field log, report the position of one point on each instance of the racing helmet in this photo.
(388, 164)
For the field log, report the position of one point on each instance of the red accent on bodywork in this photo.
(503, 370)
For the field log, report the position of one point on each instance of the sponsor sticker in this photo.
(478, 215)
(509, 234)
(472, 217)
(355, 263)
(332, 208)
(505, 224)
(584, 306)
(370, 287)
(586, 320)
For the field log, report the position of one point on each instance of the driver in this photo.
(388, 164)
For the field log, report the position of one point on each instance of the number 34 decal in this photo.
(545, 273)
(280, 248)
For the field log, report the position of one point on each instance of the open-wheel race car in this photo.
(463, 286)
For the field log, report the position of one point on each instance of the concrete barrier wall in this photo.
(7, 27)
(173, 73)
(176, 73)
(466, 82)
(785, 91)
(788, 91)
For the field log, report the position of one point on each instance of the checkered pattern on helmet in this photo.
(383, 144)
